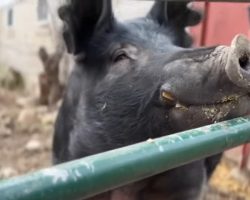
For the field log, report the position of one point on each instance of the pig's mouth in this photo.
(169, 99)
(195, 115)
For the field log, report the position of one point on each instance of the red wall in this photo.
(224, 21)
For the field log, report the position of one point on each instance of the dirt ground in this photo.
(25, 145)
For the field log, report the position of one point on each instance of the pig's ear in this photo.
(175, 16)
(172, 13)
(82, 19)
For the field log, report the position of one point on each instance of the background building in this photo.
(25, 26)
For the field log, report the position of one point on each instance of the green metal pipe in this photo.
(99, 173)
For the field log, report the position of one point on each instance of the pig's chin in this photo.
(187, 117)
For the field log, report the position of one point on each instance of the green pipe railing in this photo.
(102, 172)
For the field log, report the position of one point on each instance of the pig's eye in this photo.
(119, 56)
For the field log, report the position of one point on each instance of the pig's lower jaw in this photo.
(193, 116)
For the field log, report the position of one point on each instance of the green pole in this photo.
(102, 172)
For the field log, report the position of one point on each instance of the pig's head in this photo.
(135, 81)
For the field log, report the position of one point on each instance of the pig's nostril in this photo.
(244, 62)
(238, 62)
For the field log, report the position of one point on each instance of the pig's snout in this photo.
(238, 63)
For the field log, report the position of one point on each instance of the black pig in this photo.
(134, 81)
